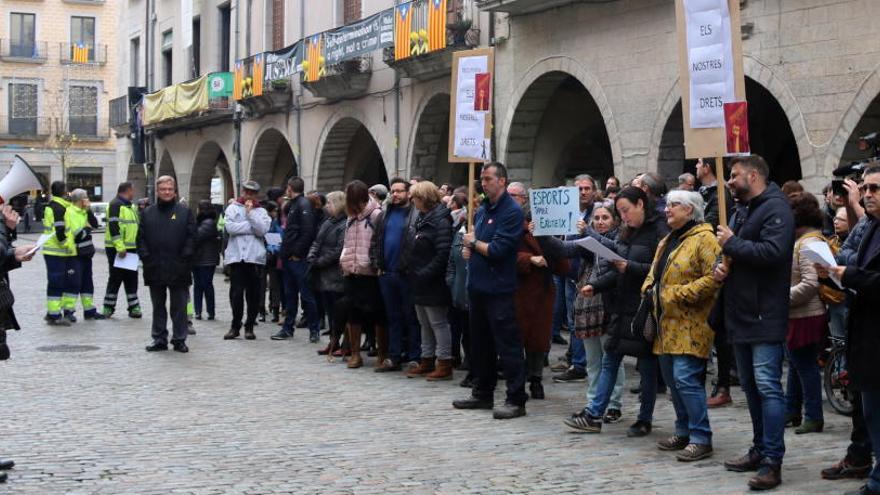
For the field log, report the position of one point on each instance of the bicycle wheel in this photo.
(834, 382)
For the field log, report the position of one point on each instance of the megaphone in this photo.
(20, 178)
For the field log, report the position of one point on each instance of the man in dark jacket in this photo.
(299, 233)
(491, 253)
(394, 228)
(862, 276)
(165, 246)
(755, 309)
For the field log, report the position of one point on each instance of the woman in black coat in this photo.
(637, 242)
(10, 259)
(425, 257)
(206, 258)
(325, 272)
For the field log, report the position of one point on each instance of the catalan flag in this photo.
(237, 79)
(436, 25)
(257, 73)
(314, 56)
(80, 53)
(402, 27)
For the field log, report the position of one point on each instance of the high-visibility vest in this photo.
(77, 220)
(60, 242)
(122, 226)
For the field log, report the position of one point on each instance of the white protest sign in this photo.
(555, 211)
(710, 61)
(469, 128)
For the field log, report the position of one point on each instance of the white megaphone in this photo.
(20, 178)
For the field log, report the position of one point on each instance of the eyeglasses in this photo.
(839, 219)
(869, 187)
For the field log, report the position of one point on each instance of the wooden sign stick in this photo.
(722, 198)
(470, 201)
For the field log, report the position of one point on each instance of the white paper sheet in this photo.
(40, 242)
(129, 262)
(818, 252)
(600, 250)
(273, 239)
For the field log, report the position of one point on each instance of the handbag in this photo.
(7, 299)
(644, 323)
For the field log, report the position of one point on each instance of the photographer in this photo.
(10, 259)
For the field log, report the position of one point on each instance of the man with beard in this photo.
(755, 302)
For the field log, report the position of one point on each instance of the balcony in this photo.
(522, 7)
(346, 79)
(122, 111)
(29, 52)
(25, 128)
(96, 55)
(82, 129)
(190, 105)
(426, 64)
(261, 83)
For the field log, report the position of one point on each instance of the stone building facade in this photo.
(580, 87)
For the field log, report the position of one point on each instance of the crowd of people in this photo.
(397, 274)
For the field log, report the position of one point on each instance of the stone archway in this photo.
(211, 177)
(272, 160)
(533, 85)
(429, 156)
(138, 178)
(557, 132)
(349, 152)
(166, 166)
(862, 118)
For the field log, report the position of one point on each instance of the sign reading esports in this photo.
(360, 38)
(555, 211)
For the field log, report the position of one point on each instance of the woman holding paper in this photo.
(807, 322)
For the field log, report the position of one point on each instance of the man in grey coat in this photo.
(246, 225)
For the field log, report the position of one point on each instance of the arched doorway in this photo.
(211, 178)
(769, 131)
(558, 132)
(272, 161)
(430, 148)
(349, 153)
(869, 123)
(166, 166)
(138, 178)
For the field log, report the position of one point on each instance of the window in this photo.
(82, 32)
(197, 47)
(83, 110)
(351, 12)
(22, 33)
(23, 109)
(134, 60)
(167, 59)
(277, 24)
(225, 29)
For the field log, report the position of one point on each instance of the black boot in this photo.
(536, 388)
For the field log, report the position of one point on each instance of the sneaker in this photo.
(135, 312)
(559, 366)
(810, 426)
(282, 335)
(571, 375)
(674, 442)
(847, 469)
(57, 322)
(639, 429)
(612, 416)
(584, 423)
(694, 452)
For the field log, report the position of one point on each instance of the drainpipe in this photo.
(297, 155)
(236, 117)
(396, 117)
(149, 62)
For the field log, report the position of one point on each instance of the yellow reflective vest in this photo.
(122, 226)
(61, 242)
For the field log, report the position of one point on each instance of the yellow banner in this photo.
(176, 101)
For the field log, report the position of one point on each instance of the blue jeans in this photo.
(760, 376)
(594, 349)
(837, 314)
(295, 289)
(684, 377)
(804, 387)
(401, 315)
(611, 362)
(871, 408)
(203, 288)
(559, 307)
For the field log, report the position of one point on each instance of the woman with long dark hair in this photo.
(206, 258)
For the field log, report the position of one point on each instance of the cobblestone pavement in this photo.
(273, 417)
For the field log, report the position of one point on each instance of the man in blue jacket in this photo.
(755, 301)
(491, 253)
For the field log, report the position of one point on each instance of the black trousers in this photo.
(119, 277)
(244, 284)
(178, 297)
(495, 335)
(724, 352)
(859, 450)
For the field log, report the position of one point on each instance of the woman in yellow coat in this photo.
(684, 291)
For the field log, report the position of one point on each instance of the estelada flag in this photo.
(80, 53)
(313, 56)
(736, 124)
(482, 92)
(437, 25)
(402, 28)
(257, 74)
